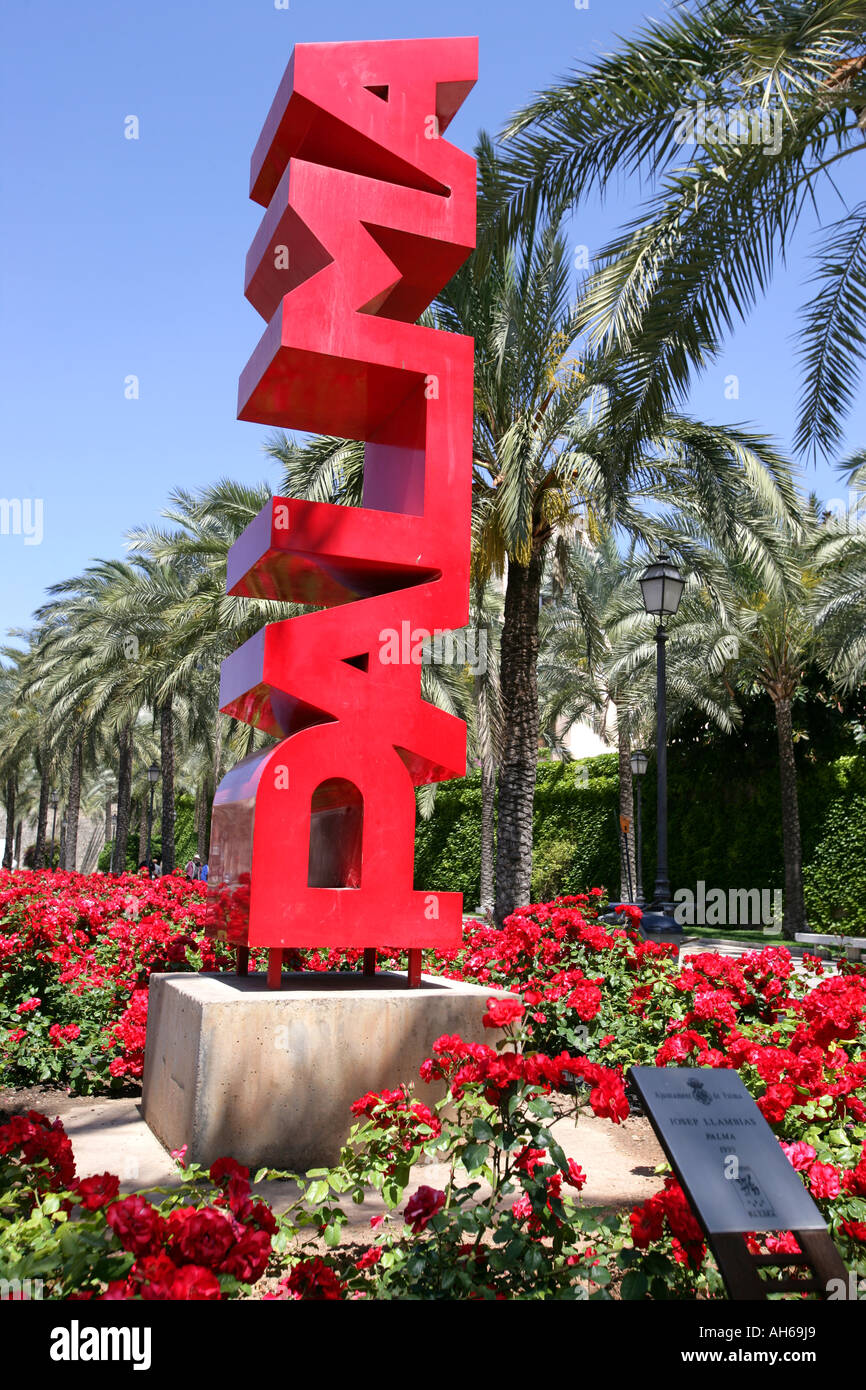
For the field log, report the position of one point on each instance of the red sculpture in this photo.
(369, 214)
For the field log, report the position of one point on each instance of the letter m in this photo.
(744, 906)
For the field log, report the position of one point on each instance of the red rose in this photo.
(225, 1168)
(194, 1283)
(137, 1225)
(800, 1154)
(98, 1191)
(422, 1206)
(248, 1258)
(586, 1001)
(203, 1237)
(824, 1180)
(608, 1099)
(785, 1244)
(370, 1257)
(576, 1176)
(527, 1160)
(501, 1012)
(521, 1210)
(157, 1274)
(647, 1223)
(260, 1214)
(118, 1289)
(311, 1280)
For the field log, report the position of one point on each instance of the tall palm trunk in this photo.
(626, 808)
(142, 827)
(166, 753)
(109, 802)
(124, 800)
(73, 809)
(202, 812)
(19, 831)
(9, 798)
(209, 790)
(518, 763)
(42, 815)
(794, 919)
(484, 737)
(488, 820)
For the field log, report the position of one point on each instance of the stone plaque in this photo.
(723, 1152)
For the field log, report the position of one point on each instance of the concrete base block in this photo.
(268, 1076)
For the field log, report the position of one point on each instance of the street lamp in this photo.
(662, 587)
(53, 802)
(639, 764)
(153, 778)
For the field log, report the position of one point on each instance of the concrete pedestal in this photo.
(268, 1076)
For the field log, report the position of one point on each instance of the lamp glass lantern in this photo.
(153, 773)
(639, 762)
(53, 798)
(662, 587)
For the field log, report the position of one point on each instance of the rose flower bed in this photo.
(75, 956)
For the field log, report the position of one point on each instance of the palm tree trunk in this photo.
(42, 815)
(19, 831)
(794, 919)
(8, 848)
(166, 751)
(518, 762)
(202, 810)
(488, 820)
(124, 799)
(142, 828)
(626, 807)
(109, 802)
(73, 808)
(210, 790)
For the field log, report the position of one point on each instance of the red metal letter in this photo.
(369, 214)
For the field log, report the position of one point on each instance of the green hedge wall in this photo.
(724, 828)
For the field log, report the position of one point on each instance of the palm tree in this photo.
(27, 739)
(839, 598)
(741, 113)
(548, 448)
(184, 566)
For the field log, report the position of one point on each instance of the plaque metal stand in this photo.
(740, 1270)
(737, 1179)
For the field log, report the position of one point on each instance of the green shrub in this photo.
(834, 880)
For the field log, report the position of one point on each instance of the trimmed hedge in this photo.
(724, 829)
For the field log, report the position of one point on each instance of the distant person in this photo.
(193, 867)
(203, 873)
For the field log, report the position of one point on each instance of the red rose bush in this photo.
(76, 953)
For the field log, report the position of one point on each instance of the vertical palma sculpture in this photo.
(369, 212)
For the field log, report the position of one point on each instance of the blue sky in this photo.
(123, 258)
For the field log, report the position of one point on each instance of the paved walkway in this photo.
(111, 1136)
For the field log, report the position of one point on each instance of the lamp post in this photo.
(153, 778)
(662, 587)
(53, 802)
(639, 764)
